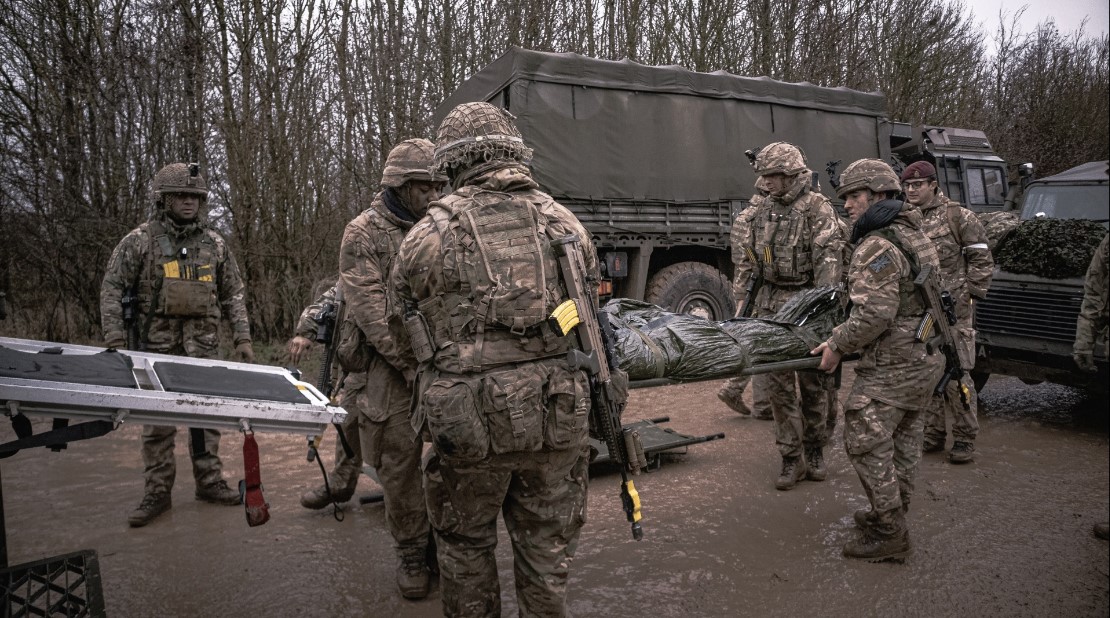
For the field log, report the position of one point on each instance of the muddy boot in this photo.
(412, 572)
(885, 538)
(151, 507)
(932, 445)
(864, 518)
(1102, 530)
(732, 394)
(815, 464)
(793, 470)
(962, 452)
(218, 493)
(318, 498)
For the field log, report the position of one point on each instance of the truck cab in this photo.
(968, 170)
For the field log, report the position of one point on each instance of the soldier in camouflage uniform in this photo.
(475, 281)
(1092, 325)
(895, 374)
(966, 268)
(344, 474)
(389, 444)
(185, 279)
(794, 239)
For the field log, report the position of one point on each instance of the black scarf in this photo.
(877, 217)
(396, 206)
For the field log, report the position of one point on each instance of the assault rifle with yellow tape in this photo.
(579, 314)
(940, 316)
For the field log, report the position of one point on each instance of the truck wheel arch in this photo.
(692, 287)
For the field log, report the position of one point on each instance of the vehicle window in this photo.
(995, 183)
(1067, 202)
(976, 191)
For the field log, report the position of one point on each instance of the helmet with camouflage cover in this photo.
(179, 178)
(868, 174)
(409, 160)
(779, 158)
(474, 132)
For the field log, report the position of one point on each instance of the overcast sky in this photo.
(1068, 14)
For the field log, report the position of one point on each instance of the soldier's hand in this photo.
(1085, 361)
(829, 358)
(244, 352)
(297, 347)
(119, 344)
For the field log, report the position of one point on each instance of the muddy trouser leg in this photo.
(869, 439)
(344, 473)
(158, 462)
(761, 397)
(834, 409)
(907, 453)
(392, 448)
(965, 420)
(812, 387)
(544, 513)
(204, 448)
(462, 507)
(781, 389)
(933, 419)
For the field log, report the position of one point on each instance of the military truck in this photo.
(1026, 323)
(652, 159)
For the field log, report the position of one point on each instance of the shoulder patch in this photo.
(882, 265)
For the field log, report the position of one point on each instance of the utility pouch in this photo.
(450, 408)
(420, 336)
(352, 351)
(186, 298)
(515, 409)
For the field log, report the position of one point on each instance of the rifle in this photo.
(941, 314)
(327, 326)
(592, 332)
(834, 178)
(130, 303)
(751, 290)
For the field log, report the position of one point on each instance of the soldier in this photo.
(389, 443)
(895, 375)
(345, 472)
(794, 240)
(966, 268)
(185, 278)
(506, 415)
(1092, 324)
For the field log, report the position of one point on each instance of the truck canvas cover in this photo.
(605, 129)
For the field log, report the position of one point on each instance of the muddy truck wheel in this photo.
(693, 288)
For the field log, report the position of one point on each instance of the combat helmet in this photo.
(780, 158)
(477, 132)
(179, 178)
(868, 174)
(409, 160)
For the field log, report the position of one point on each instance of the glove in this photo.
(1085, 361)
(244, 352)
(119, 344)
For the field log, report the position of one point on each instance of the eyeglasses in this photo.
(915, 185)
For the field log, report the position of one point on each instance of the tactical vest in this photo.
(782, 242)
(501, 278)
(911, 302)
(179, 280)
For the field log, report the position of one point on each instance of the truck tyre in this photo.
(693, 288)
(979, 379)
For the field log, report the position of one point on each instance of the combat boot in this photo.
(885, 538)
(151, 507)
(864, 518)
(962, 452)
(733, 396)
(793, 470)
(318, 498)
(218, 493)
(412, 572)
(815, 464)
(932, 445)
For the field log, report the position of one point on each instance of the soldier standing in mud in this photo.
(506, 415)
(388, 442)
(794, 240)
(895, 374)
(966, 268)
(179, 278)
(1093, 323)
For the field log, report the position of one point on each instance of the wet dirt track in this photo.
(1009, 535)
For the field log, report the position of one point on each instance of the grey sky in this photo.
(1068, 14)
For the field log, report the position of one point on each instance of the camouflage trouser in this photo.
(346, 469)
(761, 403)
(884, 446)
(965, 421)
(797, 423)
(542, 496)
(161, 467)
(392, 448)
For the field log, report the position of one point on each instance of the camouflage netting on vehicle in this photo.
(651, 342)
(1050, 248)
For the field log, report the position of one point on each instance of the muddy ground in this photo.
(1009, 535)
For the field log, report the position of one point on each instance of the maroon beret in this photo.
(919, 169)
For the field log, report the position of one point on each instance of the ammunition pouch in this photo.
(420, 336)
(185, 298)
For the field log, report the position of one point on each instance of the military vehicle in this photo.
(1026, 323)
(652, 159)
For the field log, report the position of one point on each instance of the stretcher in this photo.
(657, 441)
